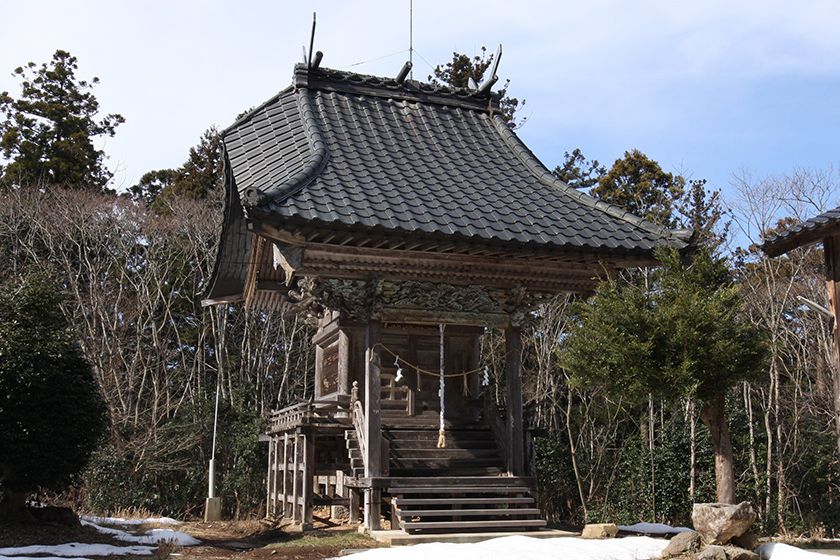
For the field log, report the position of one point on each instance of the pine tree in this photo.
(200, 176)
(458, 72)
(48, 133)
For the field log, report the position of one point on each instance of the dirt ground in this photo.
(222, 540)
(245, 540)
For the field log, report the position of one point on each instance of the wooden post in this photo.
(308, 476)
(354, 505)
(295, 488)
(373, 448)
(285, 471)
(831, 250)
(269, 477)
(275, 471)
(513, 373)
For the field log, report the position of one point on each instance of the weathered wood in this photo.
(355, 495)
(513, 376)
(285, 472)
(495, 523)
(270, 495)
(831, 250)
(373, 451)
(295, 486)
(308, 476)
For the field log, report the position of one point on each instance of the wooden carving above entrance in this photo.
(414, 301)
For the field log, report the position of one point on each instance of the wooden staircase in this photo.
(463, 504)
(460, 488)
(468, 452)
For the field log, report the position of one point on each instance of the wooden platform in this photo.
(401, 538)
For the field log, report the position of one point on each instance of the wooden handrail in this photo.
(357, 416)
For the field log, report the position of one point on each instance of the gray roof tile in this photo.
(366, 151)
(809, 231)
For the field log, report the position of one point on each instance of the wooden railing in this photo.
(357, 416)
(309, 412)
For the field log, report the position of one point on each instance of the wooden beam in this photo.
(513, 374)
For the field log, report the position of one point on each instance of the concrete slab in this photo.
(401, 538)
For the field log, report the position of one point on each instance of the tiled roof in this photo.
(412, 158)
(338, 149)
(807, 232)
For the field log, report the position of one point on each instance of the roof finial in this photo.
(404, 72)
(311, 41)
(493, 77)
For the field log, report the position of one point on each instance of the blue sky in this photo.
(706, 88)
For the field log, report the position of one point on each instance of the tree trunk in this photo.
(714, 417)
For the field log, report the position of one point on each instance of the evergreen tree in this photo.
(579, 172)
(683, 335)
(51, 411)
(47, 137)
(200, 176)
(458, 72)
(640, 185)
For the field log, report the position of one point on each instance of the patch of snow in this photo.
(121, 521)
(526, 548)
(653, 529)
(75, 550)
(154, 536)
(40, 558)
(780, 551)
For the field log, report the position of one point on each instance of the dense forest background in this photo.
(132, 268)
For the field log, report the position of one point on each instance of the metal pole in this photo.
(211, 493)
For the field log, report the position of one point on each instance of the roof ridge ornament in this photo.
(494, 77)
(404, 72)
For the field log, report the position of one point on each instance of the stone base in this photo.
(212, 509)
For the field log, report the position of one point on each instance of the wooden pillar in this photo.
(269, 479)
(373, 437)
(354, 505)
(274, 472)
(284, 505)
(295, 476)
(308, 478)
(513, 374)
(831, 250)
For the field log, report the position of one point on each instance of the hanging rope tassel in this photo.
(441, 433)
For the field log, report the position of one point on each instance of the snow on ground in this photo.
(779, 551)
(75, 550)
(526, 548)
(153, 536)
(142, 544)
(121, 521)
(653, 529)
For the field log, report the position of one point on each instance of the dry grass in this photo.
(346, 538)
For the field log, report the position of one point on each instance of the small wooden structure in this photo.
(406, 219)
(825, 229)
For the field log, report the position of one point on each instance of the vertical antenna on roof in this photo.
(311, 42)
(411, 36)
